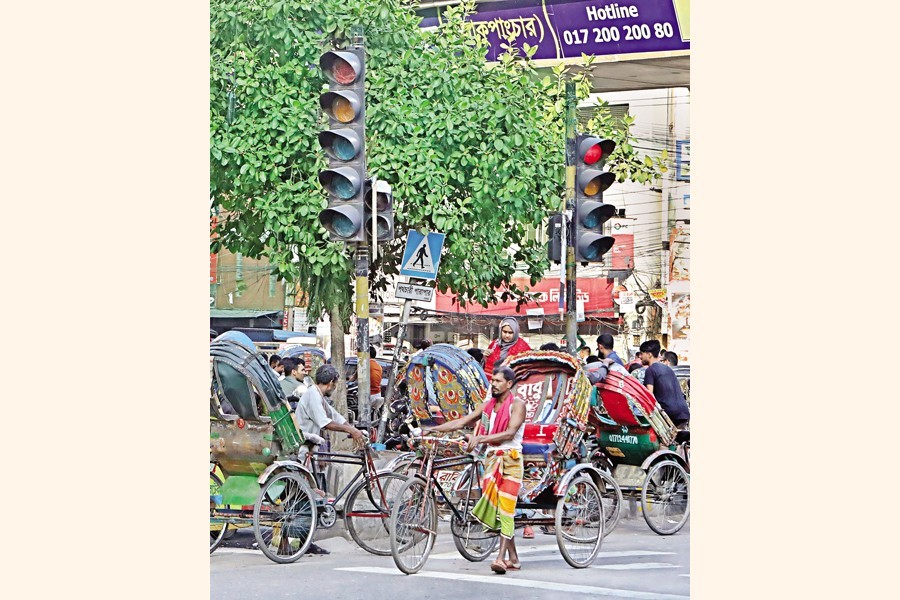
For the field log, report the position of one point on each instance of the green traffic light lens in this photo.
(343, 149)
(343, 226)
(343, 188)
(592, 220)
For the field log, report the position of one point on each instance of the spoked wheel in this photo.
(217, 531)
(611, 496)
(579, 522)
(367, 513)
(470, 538)
(284, 517)
(665, 497)
(413, 526)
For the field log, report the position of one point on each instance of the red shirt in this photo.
(493, 354)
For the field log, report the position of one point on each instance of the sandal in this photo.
(548, 529)
(499, 567)
(511, 566)
(528, 532)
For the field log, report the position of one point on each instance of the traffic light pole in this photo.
(569, 223)
(362, 333)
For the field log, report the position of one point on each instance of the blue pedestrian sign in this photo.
(422, 255)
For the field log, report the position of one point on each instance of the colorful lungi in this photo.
(499, 491)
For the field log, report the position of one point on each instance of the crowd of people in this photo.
(499, 421)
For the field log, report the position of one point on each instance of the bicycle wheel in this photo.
(611, 496)
(216, 530)
(413, 525)
(665, 497)
(284, 517)
(470, 538)
(579, 522)
(367, 512)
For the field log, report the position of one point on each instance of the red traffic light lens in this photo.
(343, 72)
(593, 154)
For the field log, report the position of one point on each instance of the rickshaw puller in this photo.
(500, 426)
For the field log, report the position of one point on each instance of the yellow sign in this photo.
(659, 294)
(683, 14)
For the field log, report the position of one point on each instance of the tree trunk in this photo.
(339, 441)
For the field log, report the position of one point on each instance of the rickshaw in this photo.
(642, 449)
(557, 397)
(271, 479)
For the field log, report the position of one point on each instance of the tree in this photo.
(472, 150)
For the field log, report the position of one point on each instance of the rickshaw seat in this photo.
(537, 440)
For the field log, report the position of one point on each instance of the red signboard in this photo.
(213, 263)
(623, 252)
(596, 294)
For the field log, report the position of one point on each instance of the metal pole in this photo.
(569, 223)
(395, 364)
(362, 332)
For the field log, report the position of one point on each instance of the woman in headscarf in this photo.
(509, 344)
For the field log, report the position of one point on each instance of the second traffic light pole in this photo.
(571, 284)
(362, 334)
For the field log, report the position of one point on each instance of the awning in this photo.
(222, 313)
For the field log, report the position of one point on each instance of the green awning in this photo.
(222, 313)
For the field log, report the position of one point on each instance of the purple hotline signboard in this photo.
(569, 28)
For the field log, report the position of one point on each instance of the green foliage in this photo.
(473, 150)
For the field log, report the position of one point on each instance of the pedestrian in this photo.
(314, 415)
(583, 353)
(375, 375)
(500, 426)
(550, 346)
(275, 365)
(671, 359)
(663, 384)
(294, 372)
(477, 354)
(605, 348)
(508, 344)
(300, 374)
(637, 370)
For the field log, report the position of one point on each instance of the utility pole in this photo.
(362, 332)
(569, 221)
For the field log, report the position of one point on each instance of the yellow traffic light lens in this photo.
(343, 110)
(593, 187)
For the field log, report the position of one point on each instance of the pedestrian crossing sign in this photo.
(422, 255)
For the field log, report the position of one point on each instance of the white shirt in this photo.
(313, 413)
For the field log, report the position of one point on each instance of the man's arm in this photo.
(649, 379)
(515, 421)
(459, 423)
(350, 430)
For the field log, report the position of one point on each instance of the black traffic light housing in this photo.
(590, 211)
(344, 143)
(384, 210)
(554, 238)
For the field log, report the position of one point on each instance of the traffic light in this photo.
(554, 238)
(590, 211)
(384, 210)
(345, 144)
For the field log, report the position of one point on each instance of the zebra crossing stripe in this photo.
(524, 583)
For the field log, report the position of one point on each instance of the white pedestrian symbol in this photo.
(421, 258)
